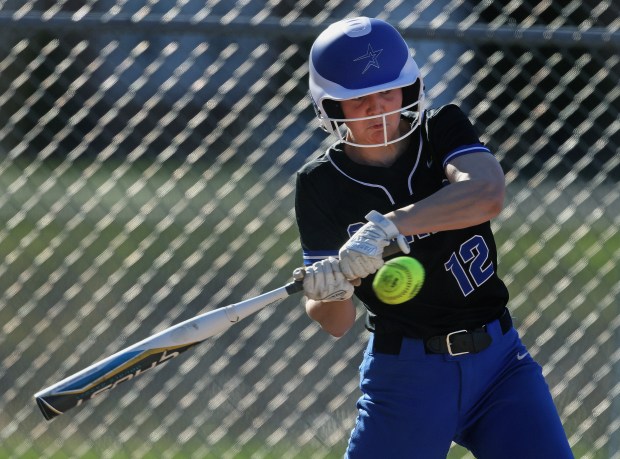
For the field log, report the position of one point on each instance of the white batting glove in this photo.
(324, 281)
(363, 252)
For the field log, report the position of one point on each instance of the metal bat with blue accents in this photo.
(153, 351)
(134, 360)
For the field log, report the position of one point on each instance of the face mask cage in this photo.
(333, 121)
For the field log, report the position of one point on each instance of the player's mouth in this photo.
(376, 126)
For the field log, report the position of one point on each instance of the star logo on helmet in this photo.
(372, 55)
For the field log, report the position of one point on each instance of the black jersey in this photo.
(333, 194)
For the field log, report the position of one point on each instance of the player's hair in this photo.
(356, 57)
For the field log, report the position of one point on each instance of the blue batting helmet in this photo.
(356, 57)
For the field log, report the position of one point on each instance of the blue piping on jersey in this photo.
(464, 150)
(313, 256)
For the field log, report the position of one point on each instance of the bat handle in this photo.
(298, 284)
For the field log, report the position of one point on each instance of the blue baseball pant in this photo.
(495, 403)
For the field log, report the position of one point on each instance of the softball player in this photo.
(446, 365)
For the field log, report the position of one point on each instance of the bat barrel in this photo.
(153, 351)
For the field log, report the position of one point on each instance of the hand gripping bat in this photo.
(134, 360)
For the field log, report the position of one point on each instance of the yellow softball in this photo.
(398, 280)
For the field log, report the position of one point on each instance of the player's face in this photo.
(376, 129)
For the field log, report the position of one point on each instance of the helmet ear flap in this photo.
(333, 109)
(411, 93)
(317, 112)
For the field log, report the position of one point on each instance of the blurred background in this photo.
(147, 159)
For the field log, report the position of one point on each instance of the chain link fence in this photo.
(147, 156)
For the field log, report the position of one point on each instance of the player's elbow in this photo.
(498, 193)
(336, 331)
(492, 194)
(335, 318)
(337, 326)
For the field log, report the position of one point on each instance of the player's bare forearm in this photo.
(475, 195)
(335, 317)
(459, 205)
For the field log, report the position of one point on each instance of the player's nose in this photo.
(373, 104)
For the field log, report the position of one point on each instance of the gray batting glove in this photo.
(363, 252)
(324, 281)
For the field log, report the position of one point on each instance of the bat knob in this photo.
(299, 274)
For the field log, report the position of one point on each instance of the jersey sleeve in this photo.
(452, 134)
(318, 238)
